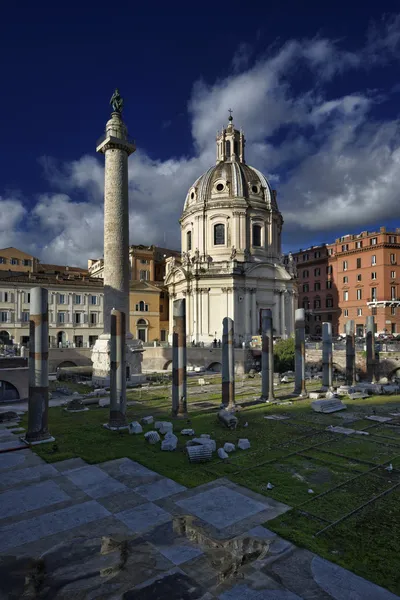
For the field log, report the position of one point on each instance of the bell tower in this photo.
(230, 143)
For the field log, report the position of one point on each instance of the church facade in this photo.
(231, 261)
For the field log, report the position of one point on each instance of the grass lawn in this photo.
(295, 455)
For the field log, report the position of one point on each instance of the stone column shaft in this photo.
(300, 353)
(247, 316)
(267, 357)
(38, 367)
(116, 234)
(370, 335)
(350, 353)
(254, 321)
(283, 315)
(228, 363)
(327, 355)
(179, 391)
(117, 369)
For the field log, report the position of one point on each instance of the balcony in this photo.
(384, 301)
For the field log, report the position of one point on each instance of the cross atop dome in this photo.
(230, 111)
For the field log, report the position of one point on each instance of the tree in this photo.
(284, 355)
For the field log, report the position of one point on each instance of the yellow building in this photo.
(148, 311)
(149, 305)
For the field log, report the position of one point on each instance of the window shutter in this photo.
(85, 318)
(1, 296)
(10, 317)
(84, 298)
(12, 297)
(51, 298)
(66, 317)
(58, 298)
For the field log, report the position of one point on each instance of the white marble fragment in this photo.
(187, 432)
(228, 447)
(170, 442)
(152, 437)
(244, 444)
(165, 427)
(222, 453)
(147, 420)
(135, 427)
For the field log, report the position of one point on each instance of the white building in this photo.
(231, 262)
(75, 308)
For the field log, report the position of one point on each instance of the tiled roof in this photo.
(47, 279)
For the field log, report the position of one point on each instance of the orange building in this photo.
(367, 279)
(352, 278)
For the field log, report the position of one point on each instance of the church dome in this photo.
(231, 210)
(231, 178)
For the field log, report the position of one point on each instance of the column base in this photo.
(267, 399)
(115, 427)
(38, 441)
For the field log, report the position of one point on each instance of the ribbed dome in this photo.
(231, 179)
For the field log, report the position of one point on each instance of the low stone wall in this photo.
(389, 362)
(19, 378)
(160, 359)
(79, 357)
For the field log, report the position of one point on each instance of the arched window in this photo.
(219, 234)
(317, 302)
(142, 307)
(142, 327)
(188, 241)
(306, 304)
(228, 148)
(257, 236)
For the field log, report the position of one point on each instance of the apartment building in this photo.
(75, 307)
(316, 291)
(367, 279)
(352, 278)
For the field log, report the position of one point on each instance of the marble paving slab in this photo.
(28, 474)
(159, 489)
(32, 497)
(143, 517)
(243, 592)
(221, 506)
(30, 530)
(13, 444)
(344, 585)
(95, 482)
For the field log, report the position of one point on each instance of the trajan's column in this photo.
(116, 147)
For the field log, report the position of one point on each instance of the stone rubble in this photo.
(187, 432)
(135, 427)
(228, 447)
(152, 437)
(147, 420)
(244, 444)
(165, 427)
(222, 454)
(170, 442)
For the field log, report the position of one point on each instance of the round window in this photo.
(254, 189)
(192, 195)
(220, 187)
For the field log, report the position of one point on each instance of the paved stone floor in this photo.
(119, 530)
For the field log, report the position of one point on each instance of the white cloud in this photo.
(333, 164)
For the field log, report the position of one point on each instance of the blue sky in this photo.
(315, 87)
